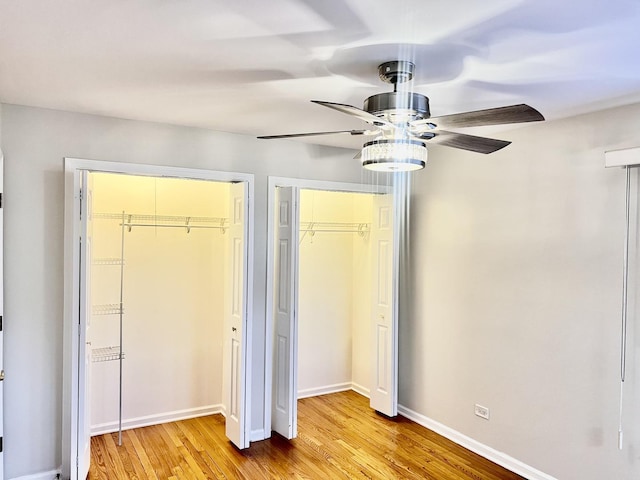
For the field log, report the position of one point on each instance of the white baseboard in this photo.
(156, 419)
(327, 389)
(364, 391)
(489, 453)
(49, 475)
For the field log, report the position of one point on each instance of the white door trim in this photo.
(72, 170)
(1, 312)
(273, 183)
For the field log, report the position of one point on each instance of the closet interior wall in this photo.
(173, 300)
(334, 295)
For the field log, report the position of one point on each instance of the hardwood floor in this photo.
(339, 437)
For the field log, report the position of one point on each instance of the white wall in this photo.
(516, 267)
(173, 298)
(34, 142)
(516, 280)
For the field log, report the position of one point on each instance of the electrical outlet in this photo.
(482, 412)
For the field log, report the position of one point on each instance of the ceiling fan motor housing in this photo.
(414, 105)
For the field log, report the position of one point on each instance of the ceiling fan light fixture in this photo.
(394, 155)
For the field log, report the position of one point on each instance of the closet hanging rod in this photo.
(361, 228)
(335, 224)
(324, 230)
(148, 219)
(187, 226)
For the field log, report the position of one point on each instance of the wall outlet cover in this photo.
(482, 412)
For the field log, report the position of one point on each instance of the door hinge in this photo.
(80, 204)
(1, 375)
(0, 199)
(1, 445)
(0, 323)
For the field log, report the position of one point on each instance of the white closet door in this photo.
(84, 345)
(1, 315)
(384, 382)
(235, 348)
(285, 407)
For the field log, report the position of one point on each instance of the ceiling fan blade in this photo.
(468, 142)
(356, 112)
(312, 134)
(492, 116)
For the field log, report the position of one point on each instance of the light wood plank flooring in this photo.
(339, 437)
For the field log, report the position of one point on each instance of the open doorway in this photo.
(159, 246)
(334, 292)
(161, 280)
(334, 296)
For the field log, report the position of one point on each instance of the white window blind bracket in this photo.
(628, 157)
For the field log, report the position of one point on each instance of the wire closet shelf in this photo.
(311, 228)
(131, 220)
(106, 354)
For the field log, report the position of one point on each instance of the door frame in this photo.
(301, 183)
(1, 314)
(73, 168)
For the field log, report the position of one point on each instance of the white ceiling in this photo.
(251, 67)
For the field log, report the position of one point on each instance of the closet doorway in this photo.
(163, 272)
(334, 295)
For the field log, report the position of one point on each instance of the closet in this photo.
(334, 292)
(335, 309)
(159, 248)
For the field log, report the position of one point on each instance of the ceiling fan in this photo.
(402, 124)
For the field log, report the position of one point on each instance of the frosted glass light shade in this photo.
(394, 155)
